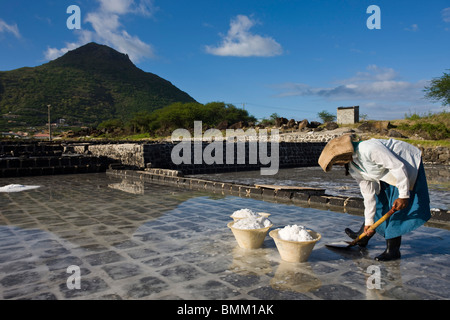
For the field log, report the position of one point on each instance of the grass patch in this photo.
(428, 143)
(429, 127)
(137, 137)
(415, 142)
(434, 131)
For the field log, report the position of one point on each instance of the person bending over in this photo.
(390, 174)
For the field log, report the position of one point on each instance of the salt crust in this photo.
(252, 223)
(295, 233)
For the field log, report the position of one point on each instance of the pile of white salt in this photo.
(294, 233)
(252, 223)
(17, 188)
(245, 213)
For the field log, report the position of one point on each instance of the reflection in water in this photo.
(128, 185)
(250, 261)
(89, 210)
(298, 277)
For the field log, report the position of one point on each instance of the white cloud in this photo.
(446, 14)
(374, 73)
(374, 84)
(53, 53)
(116, 6)
(108, 30)
(413, 28)
(144, 7)
(240, 42)
(10, 28)
(380, 92)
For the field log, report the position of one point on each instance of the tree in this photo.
(274, 116)
(439, 89)
(183, 115)
(271, 121)
(111, 124)
(326, 116)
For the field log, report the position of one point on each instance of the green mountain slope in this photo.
(87, 85)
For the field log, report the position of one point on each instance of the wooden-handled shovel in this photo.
(347, 244)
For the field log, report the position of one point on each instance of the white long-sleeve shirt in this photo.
(392, 161)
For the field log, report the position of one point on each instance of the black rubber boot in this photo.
(364, 241)
(392, 251)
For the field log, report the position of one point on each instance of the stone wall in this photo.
(319, 136)
(36, 158)
(35, 148)
(129, 154)
(293, 154)
(436, 155)
(294, 151)
(51, 165)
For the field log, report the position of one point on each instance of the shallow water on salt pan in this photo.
(335, 182)
(136, 240)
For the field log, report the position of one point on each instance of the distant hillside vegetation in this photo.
(86, 86)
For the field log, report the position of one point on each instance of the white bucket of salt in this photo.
(295, 251)
(249, 238)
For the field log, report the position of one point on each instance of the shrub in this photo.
(326, 116)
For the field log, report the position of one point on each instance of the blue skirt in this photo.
(408, 219)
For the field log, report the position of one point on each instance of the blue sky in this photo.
(293, 58)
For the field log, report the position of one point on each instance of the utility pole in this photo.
(49, 124)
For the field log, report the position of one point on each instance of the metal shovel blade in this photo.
(345, 244)
(340, 244)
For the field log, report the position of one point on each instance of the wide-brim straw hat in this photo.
(337, 151)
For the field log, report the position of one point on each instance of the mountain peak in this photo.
(94, 56)
(90, 84)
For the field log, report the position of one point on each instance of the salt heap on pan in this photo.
(245, 213)
(294, 233)
(252, 223)
(17, 188)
